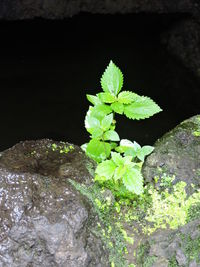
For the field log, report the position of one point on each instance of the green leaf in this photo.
(106, 122)
(144, 151)
(117, 158)
(106, 97)
(136, 146)
(96, 132)
(100, 111)
(126, 143)
(133, 181)
(113, 145)
(117, 107)
(98, 150)
(84, 146)
(112, 79)
(127, 97)
(119, 172)
(111, 135)
(93, 99)
(142, 108)
(91, 122)
(106, 169)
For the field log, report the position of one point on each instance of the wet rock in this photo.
(179, 249)
(44, 221)
(177, 153)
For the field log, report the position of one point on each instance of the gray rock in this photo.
(178, 246)
(177, 153)
(44, 221)
(181, 258)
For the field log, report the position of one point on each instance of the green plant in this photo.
(119, 166)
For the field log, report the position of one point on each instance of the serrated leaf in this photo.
(106, 122)
(117, 158)
(133, 181)
(93, 99)
(91, 122)
(130, 152)
(119, 172)
(96, 132)
(100, 111)
(144, 151)
(127, 97)
(126, 143)
(142, 108)
(98, 150)
(112, 79)
(106, 169)
(117, 107)
(111, 135)
(106, 97)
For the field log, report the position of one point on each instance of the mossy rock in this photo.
(177, 153)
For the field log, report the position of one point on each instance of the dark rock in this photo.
(177, 153)
(183, 41)
(51, 9)
(44, 221)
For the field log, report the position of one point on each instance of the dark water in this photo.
(47, 67)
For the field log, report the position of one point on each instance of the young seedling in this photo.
(119, 162)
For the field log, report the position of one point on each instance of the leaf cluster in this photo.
(121, 167)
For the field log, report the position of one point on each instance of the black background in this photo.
(47, 67)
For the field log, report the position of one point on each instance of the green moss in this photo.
(142, 258)
(193, 213)
(108, 229)
(173, 262)
(149, 261)
(63, 148)
(191, 248)
(170, 209)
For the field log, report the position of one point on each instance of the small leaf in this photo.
(111, 135)
(100, 111)
(98, 150)
(106, 122)
(117, 158)
(133, 181)
(106, 169)
(96, 132)
(112, 79)
(113, 145)
(91, 122)
(142, 108)
(126, 143)
(94, 99)
(144, 151)
(119, 172)
(106, 97)
(127, 97)
(117, 107)
(136, 146)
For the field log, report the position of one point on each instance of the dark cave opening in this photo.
(47, 67)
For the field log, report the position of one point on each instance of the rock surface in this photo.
(27, 9)
(174, 248)
(177, 153)
(183, 41)
(44, 221)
